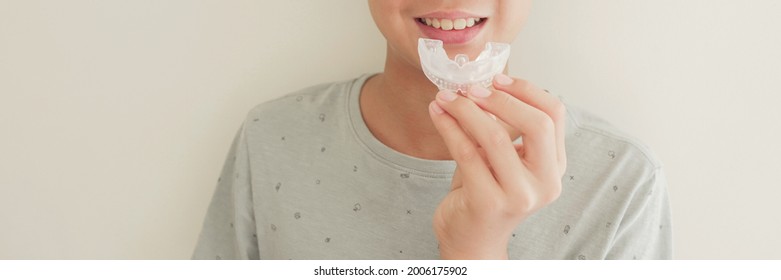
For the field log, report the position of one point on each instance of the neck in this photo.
(394, 105)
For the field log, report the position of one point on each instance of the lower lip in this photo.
(451, 36)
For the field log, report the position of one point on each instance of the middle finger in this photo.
(493, 138)
(537, 128)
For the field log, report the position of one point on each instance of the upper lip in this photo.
(450, 15)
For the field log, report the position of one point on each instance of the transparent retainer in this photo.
(461, 74)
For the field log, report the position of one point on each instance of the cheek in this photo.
(387, 15)
(513, 19)
(376, 7)
(394, 20)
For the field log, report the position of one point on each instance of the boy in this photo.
(363, 169)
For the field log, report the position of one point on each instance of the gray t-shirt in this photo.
(306, 179)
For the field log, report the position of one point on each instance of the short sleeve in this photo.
(229, 226)
(645, 231)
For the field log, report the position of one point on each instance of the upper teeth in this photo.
(450, 24)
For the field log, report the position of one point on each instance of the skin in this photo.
(497, 184)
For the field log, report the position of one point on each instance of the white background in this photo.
(115, 116)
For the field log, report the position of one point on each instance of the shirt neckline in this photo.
(385, 154)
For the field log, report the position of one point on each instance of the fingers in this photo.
(487, 134)
(536, 127)
(541, 99)
(518, 100)
(472, 168)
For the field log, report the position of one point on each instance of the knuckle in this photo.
(521, 206)
(524, 203)
(543, 124)
(489, 208)
(558, 111)
(498, 137)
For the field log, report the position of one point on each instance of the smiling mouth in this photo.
(452, 24)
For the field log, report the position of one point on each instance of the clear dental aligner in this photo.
(460, 74)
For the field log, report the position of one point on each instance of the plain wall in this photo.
(116, 115)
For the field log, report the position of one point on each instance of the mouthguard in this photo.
(460, 74)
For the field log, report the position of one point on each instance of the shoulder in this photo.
(593, 141)
(314, 112)
(305, 99)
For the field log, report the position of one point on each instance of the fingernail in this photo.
(503, 79)
(435, 108)
(480, 92)
(447, 95)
